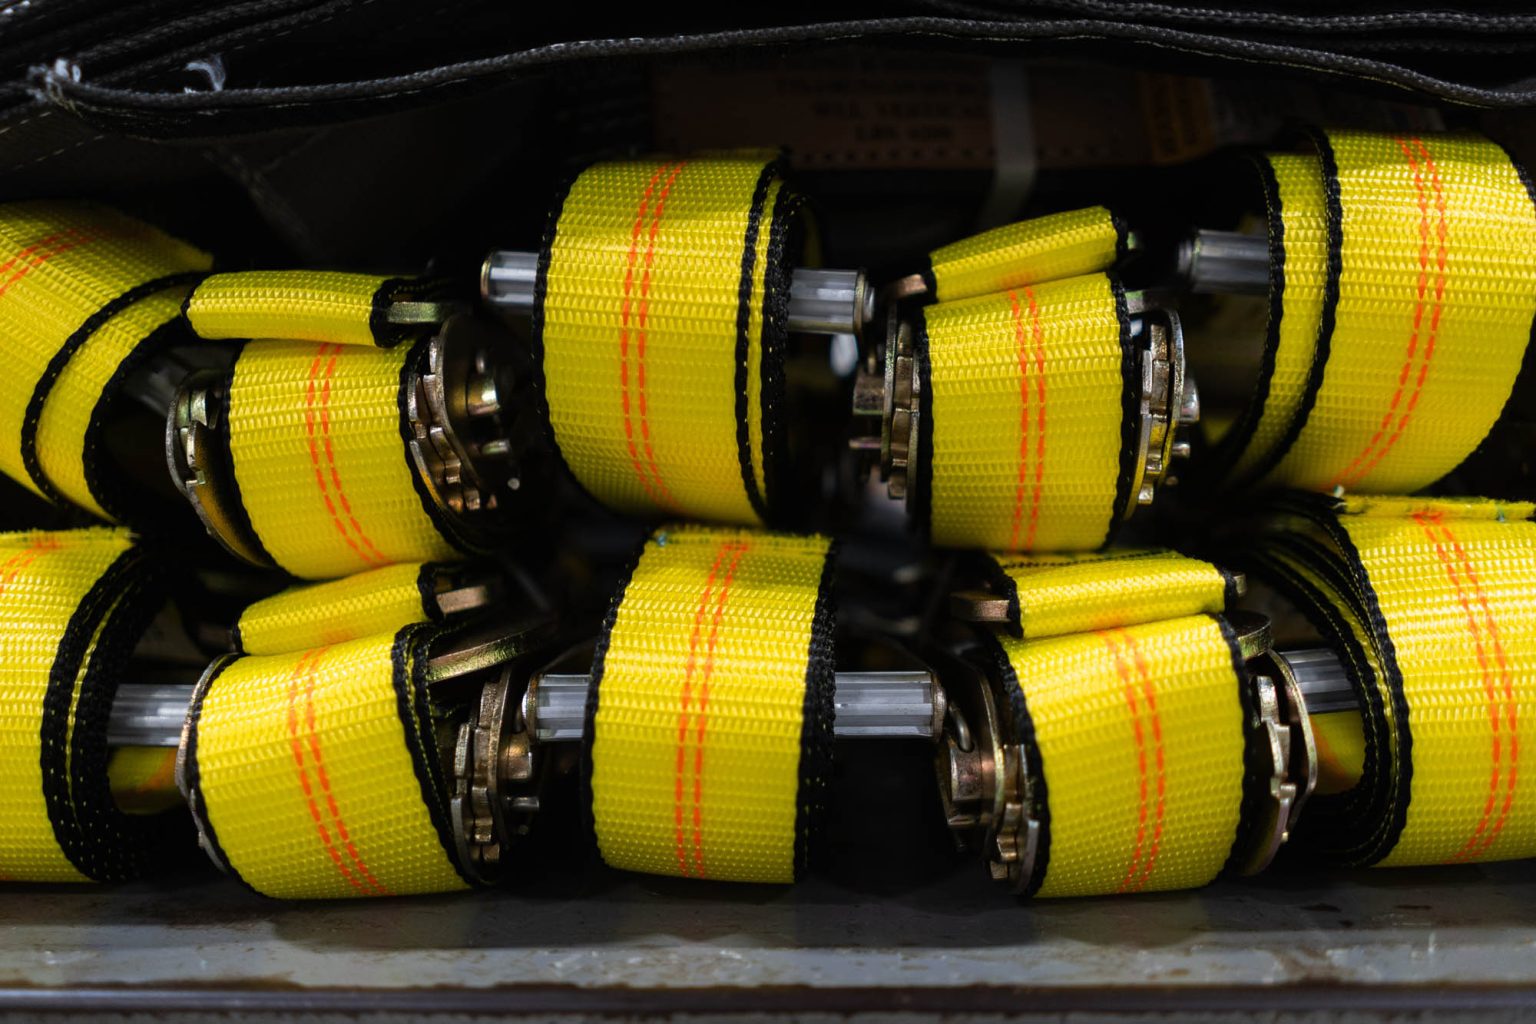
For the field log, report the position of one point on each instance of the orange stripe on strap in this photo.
(638, 311)
(1483, 836)
(1149, 694)
(738, 549)
(330, 458)
(685, 701)
(40, 252)
(1037, 336)
(1139, 735)
(307, 668)
(1476, 842)
(731, 550)
(1371, 455)
(317, 426)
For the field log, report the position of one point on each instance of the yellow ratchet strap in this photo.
(709, 734)
(1424, 316)
(1430, 603)
(1298, 269)
(143, 779)
(1048, 248)
(72, 607)
(315, 774)
(310, 305)
(661, 324)
(86, 294)
(1052, 595)
(1137, 747)
(1029, 417)
(316, 442)
(311, 615)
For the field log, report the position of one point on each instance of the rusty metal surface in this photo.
(572, 937)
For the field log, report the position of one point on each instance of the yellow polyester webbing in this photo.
(1141, 747)
(324, 614)
(1052, 595)
(1340, 741)
(61, 595)
(661, 328)
(302, 305)
(314, 435)
(1431, 603)
(143, 779)
(1299, 232)
(314, 774)
(1047, 248)
(1028, 392)
(1436, 292)
(712, 733)
(61, 264)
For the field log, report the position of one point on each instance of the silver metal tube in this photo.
(870, 705)
(148, 715)
(1325, 685)
(1225, 262)
(820, 301)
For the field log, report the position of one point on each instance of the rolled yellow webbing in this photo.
(305, 305)
(1298, 268)
(660, 327)
(143, 779)
(1052, 595)
(1029, 417)
(316, 442)
(1425, 310)
(1340, 740)
(1048, 248)
(85, 294)
(1429, 602)
(710, 718)
(1136, 743)
(368, 603)
(315, 774)
(72, 606)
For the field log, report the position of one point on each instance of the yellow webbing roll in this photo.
(661, 326)
(1298, 245)
(1136, 743)
(325, 614)
(315, 438)
(1048, 248)
(85, 293)
(1425, 311)
(710, 726)
(1051, 595)
(1340, 741)
(143, 779)
(301, 305)
(1029, 417)
(72, 606)
(316, 774)
(1429, 602)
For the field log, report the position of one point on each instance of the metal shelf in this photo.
(590, 940)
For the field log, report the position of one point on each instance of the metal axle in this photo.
(820, 301)
(1225, 262)
(870, 705)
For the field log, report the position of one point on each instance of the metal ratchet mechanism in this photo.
(887, 393)
(465, 429)
(985, 777)
(820, 301)
(521, 732)
(521, 728)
